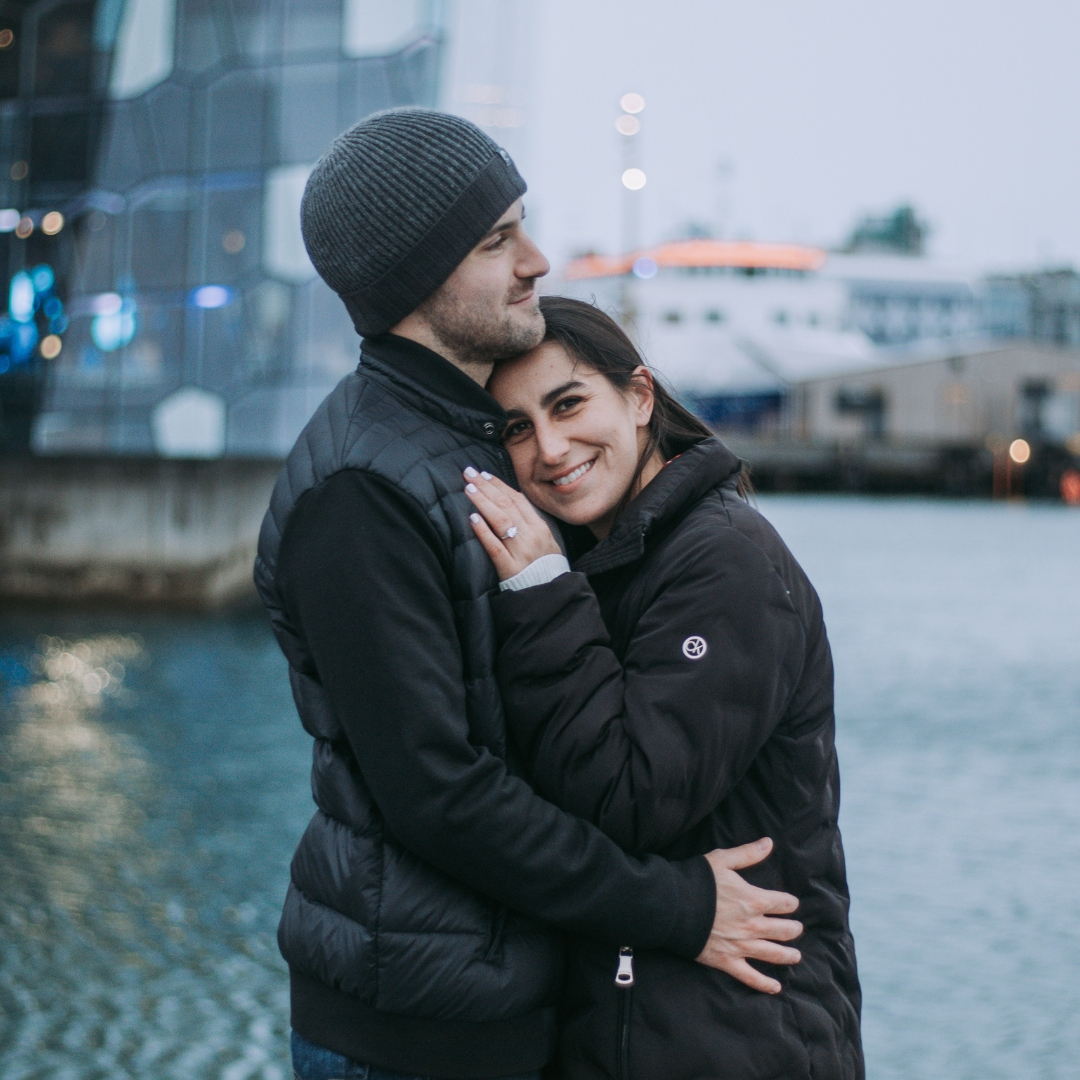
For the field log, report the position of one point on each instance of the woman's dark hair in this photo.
(589, 335)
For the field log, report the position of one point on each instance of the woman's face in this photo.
(575, 440)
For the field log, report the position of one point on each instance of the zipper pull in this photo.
(624, 977)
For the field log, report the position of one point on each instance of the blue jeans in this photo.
(311, 1062)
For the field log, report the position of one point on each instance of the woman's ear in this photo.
(641, 386)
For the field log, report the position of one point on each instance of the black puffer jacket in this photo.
(419, 925)
(678, 691)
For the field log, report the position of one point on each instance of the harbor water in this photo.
(154, 781)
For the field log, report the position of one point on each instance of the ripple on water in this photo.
(137, 920)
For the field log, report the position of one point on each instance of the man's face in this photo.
(488, 308)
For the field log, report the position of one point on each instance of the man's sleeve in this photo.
(361, 575)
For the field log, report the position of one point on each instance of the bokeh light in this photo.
(211, 296)
(628, 125)
(21, 297)
(1020, 451)
(9, 219)
(51, 346)
(634, 179)
(116, 327)
(43, 277)
(645, 267)
(108, 303)
(632, 103)
(52, 223)
(24, 228)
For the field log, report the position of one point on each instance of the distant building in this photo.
(154, 154)
(1043, 306)
(968, 397)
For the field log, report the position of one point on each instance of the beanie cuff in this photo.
(384, 303)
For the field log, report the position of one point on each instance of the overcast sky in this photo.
(821, 110)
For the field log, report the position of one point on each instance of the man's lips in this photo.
(573, 475)
(521, 299)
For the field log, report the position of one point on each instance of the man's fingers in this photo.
(776, 929)
(738, 858)
(778, 903)
(753, 978)
(772, 953)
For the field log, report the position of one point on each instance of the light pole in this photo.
(633, 180)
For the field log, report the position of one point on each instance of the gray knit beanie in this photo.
(396, 203)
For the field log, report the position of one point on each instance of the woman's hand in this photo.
(507, 524)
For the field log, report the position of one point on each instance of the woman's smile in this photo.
(565, 481)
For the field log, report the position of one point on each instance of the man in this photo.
(420, 923)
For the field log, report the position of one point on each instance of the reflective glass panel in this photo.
(64, 60)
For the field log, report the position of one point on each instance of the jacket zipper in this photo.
(624, 983)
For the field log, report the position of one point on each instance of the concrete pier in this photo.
(138, 531)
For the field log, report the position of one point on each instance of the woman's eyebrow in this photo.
(551, 395)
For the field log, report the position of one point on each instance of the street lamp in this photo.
(633, 180)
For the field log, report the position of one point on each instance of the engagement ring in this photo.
(510, 533)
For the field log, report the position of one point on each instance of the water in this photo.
(153, 783)
(145, 838)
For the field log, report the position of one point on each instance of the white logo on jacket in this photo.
(694, 647)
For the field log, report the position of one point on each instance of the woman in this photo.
(676, 689)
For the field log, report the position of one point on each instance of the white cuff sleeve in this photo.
(538, 572)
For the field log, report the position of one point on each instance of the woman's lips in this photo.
(573, 475)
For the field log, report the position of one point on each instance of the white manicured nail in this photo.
(474, 518)
(487, 476)
(470, 488)
(471, 473)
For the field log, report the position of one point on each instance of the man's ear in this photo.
(641, 386)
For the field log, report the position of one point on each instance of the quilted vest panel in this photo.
(362, 914)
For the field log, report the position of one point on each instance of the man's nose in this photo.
(531, 263)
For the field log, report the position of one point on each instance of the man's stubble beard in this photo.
(476, 335)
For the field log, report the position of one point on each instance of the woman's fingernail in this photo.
(470, 488)
(471, 473)
(474, 518)
(487, 476)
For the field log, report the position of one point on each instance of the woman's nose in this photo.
(551, 444)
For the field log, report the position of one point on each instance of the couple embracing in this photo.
(570, 695)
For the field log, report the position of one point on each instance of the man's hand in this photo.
(741, 928)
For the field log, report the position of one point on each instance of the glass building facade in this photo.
(152, 158)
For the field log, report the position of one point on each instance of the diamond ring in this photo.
(510, 533)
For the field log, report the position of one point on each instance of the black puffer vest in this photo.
(362, 914)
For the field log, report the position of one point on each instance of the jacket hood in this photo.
(679, 486)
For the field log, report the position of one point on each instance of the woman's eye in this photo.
(514, 430)
(566, 404)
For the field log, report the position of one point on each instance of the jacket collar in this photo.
(434, 385)
(678, 487)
